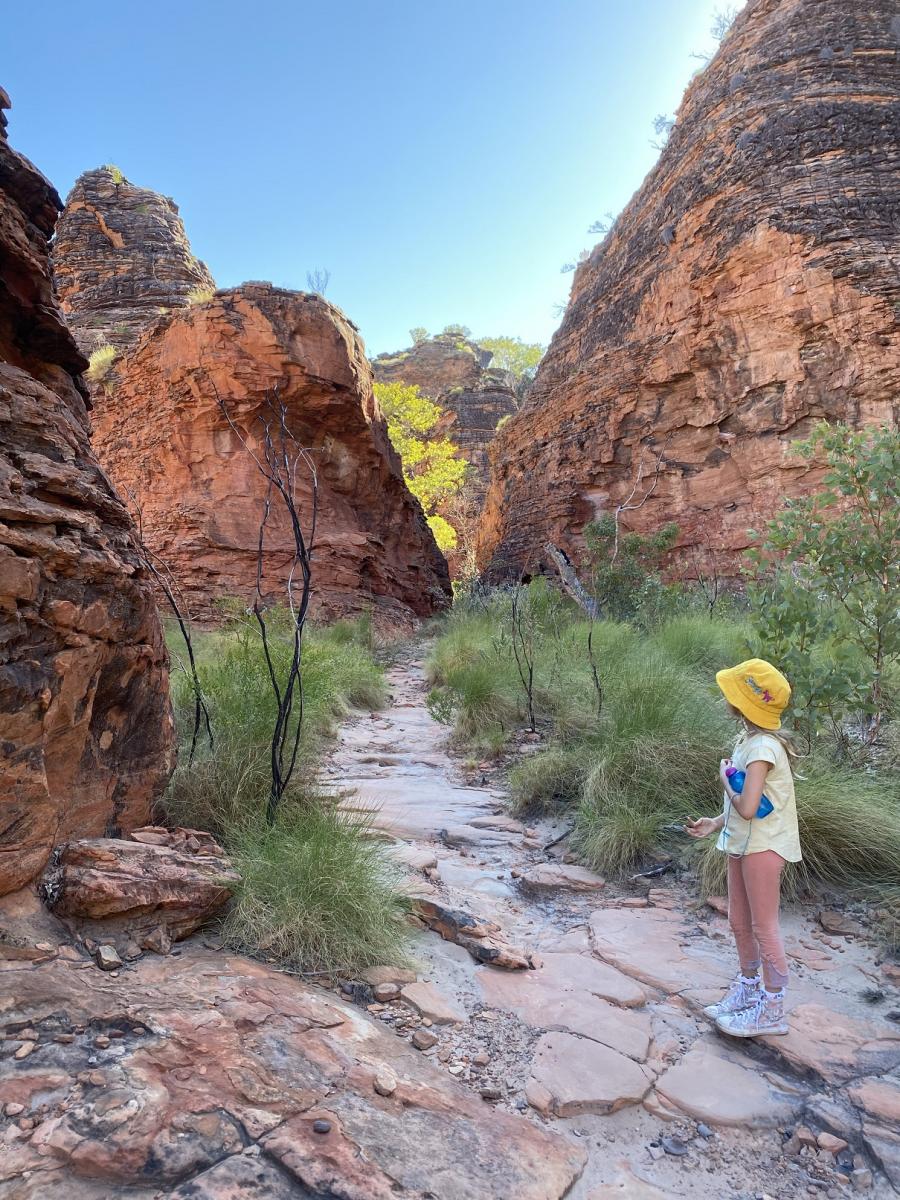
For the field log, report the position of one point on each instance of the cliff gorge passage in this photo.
(750, 288)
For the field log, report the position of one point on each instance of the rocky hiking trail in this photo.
(549, 1045)
(602, 1040)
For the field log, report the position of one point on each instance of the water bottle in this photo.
(736, 780)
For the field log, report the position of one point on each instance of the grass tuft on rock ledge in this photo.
(318, 890)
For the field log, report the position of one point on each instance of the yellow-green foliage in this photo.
(512, 354)
(200, 295)
(100, 361)
(433, 468)
(117, 176)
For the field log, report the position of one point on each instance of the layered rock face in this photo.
(160, 432)
(750, 288)
(85, 727)
(455, 373)
(121, 259)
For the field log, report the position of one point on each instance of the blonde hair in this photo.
(780, 735)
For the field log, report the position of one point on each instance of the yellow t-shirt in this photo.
(778, 831)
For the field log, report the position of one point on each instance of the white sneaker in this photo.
(764, 1017)
(739, 996)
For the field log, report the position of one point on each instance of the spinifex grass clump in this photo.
(317, 888)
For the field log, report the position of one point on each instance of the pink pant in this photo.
(754, 894)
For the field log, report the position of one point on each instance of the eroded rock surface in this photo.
(160, 433)
(455, 373)
(749, 289)
(212, 1076)
(85, 725)
(121, 259)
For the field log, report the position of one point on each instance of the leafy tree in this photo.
(837, 573)
(456, 331)
(512, 354)
(433, 468)
(419, 334)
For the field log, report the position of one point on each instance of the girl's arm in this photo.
(754, 785)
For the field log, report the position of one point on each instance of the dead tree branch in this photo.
(169, 586)
(570, 581)
(626, 505)
(279, 459)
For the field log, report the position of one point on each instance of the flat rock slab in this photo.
(414, 857)
(429, 1002)
(540, 1004)
(472, 835)
(572, 1075)
(561, 877)
(650, 945)
(459, 876)
(879, 1098)
(835, 1047)
(628, 1186)
(708, 1087)
(214, 1044)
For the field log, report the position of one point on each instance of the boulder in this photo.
(481, 938)
(141, 887)
(748, 290)
(121, 259)
(561, 877)
(161, 434)
(85, 721)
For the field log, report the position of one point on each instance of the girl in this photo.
(757, 847)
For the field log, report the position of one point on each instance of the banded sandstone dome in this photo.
(121, 259)
(162, 436)
(750, 288)
(85, 723)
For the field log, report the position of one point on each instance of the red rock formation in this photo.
(85, 726)
(173, 880)
(121, 259)
(161, 435)
(750, 288)
(454, 372)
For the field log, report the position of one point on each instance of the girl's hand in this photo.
(723, 767)
(702, 827)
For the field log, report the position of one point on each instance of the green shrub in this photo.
(542, 783)
(117, 176)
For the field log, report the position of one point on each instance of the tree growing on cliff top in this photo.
(418, 334)
(433, 468)
(512, 354)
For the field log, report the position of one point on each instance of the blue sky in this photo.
(442, 161)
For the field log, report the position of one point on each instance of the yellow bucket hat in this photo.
(756, 689)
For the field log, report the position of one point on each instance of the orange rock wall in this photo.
(162, 437)
(86, 733)
(750, 288)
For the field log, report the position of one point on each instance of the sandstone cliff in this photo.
(159, 432)
(121, 259)
(85, 726)
(455, 373)
(751, 287)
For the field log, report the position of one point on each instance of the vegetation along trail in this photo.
(593, 1026)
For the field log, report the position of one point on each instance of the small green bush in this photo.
(544, 782)
(117, 176)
